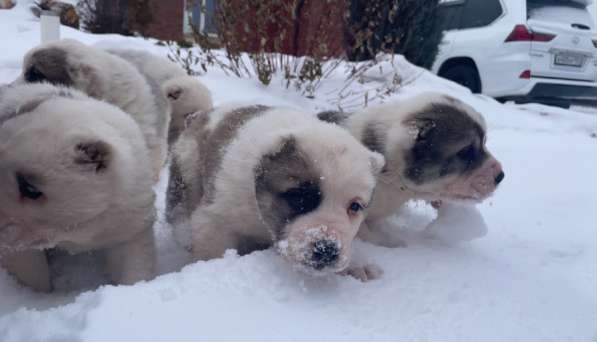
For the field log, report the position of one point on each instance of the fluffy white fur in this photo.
(106, 77)
(347, 171)
(394, 188)
(89, 165)
(185, 94)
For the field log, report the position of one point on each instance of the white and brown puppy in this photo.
(435, 150)
(75, 175)
(254, 177)
(103, 76)
(170, 85)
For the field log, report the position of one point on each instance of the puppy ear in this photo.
(173, 92)
(48, 65)
(377, 162)
(93, 156)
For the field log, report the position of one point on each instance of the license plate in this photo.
(569, 59)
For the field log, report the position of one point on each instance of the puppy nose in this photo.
(500, 177)
(325, 253)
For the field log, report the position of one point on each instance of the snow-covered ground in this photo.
(532, 277)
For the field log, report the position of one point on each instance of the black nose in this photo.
(499, 178)
(325, 253)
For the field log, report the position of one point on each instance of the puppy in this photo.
(254, 177)
(75, 175)
(105, 77)
(187, 96)
(435, 150)
(170, 84)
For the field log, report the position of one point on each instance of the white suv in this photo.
(523, 50)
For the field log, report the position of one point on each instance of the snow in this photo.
(466, 224)
(520, 267)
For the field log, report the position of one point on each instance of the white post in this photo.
(50, 26)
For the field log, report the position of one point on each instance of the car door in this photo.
(449, 13)
(478, 38)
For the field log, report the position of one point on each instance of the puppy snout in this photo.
(325, 253)
(498, 172)
(500, 177)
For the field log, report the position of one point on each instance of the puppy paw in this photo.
(363, 273)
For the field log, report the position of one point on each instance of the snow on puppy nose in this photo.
(316, 249)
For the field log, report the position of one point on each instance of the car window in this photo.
(477, 13)
(560, 11)
(450, 14)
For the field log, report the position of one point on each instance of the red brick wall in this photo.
(321, 28)
(248, 29)
(168, 20)
(318, 22)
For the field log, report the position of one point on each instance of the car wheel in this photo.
(464, 75)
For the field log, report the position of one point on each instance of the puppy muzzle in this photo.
(488, 178)
(316, 250)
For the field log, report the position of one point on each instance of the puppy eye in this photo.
(468, 153)
(355, 207)
(26, 189)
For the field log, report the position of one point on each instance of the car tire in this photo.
(465, 75)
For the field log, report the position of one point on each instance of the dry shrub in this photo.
(246, 46)
(251, 35)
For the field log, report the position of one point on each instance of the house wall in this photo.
(321, 30)
(247, 27)
(315, 27)
(168, 20)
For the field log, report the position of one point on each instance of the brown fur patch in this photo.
(286, 186)
(49, 65)
(449, 141)
(223, 134)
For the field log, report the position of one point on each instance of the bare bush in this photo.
(188, 60)
(249, 26)
(246, 46)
